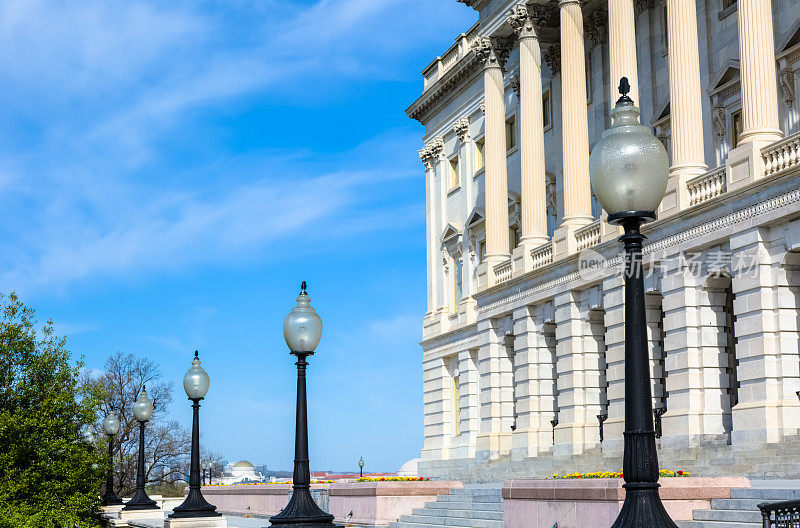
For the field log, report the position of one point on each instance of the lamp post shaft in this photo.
(109, 497)
(195, 505)
(140, 499)
(302, 510)
(642, 507)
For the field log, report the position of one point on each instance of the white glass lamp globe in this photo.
(88, 436)
(196, 380)
(361, 462)
(111, 424)
(302, 328)
(628, 167)
(143, 407)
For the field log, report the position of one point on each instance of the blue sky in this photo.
(171, 171)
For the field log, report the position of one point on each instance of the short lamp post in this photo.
(628, 168)
(142, 411)
(195, 383)
(302, 330)
(361, 467)
(111, 428)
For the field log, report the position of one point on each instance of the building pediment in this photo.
(450, 233)
(475, 218)
(725, 79)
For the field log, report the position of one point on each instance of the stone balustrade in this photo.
(542, 256)
(439, 67)
(706, 186)
(782, 155)
(588, 236)
(502, 271)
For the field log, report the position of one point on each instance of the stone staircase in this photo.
(474, 506)
(741, 510)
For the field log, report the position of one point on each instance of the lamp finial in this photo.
(624, 89)
(195, 354)
(303, 287)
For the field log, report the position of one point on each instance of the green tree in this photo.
(49, 474)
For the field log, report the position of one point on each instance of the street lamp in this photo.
(195, 383)
(111, 428)
(361, 467)
(143, 411)
(302, 330)
(628, 169)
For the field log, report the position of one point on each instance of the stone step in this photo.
(496, 515)
(736, 504)
(716, 524)
(452, 521)
(746, 516)
(463, 505)
(470, 498)
(464, 524)
(765, 494)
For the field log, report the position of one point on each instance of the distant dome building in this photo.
(409, 469)
(242, 471)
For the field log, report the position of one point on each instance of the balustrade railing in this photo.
(707, 186)
(588, 236)
(502, 271)
(782, 155)
(542, 256)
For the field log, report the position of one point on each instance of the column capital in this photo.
(461, 128)
(492, 51)
(564, 3)
(552, 57)
(526, 20)
(596, 27)
(426, 157)
(437, 148)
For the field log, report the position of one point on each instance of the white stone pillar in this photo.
(434, 376)
(686, 112)
(441, 171)
(427, 158)
(496, 382)
(758, 78)
(470, 403)
(525, 20)
(622, 46)
(575, 128)
(493, 53)
(614, 304)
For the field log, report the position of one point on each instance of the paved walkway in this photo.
(241, 522)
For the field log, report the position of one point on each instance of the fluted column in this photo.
(426, 156)
(622, 45)
(525, 20)
(493, 53)
(759, 84)
(686, 113)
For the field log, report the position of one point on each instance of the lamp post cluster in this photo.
(628, 169)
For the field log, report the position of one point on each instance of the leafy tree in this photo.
(49, 474)
(167, 444)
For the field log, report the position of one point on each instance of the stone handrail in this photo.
(588, 236)
(502, 271)
(782, 155)
(706, 186)
(451, 57)
(542, 256)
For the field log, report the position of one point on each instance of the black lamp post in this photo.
(143, 411)
(629, 169)
(302, 330)
(361, 467)
(111, 428)
(195, 383)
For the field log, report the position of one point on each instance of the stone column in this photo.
(758, 78)
(427, 158)
(496, 382)
(441, 171)
(525, 20)
(575, 128)
(493, 53)
(686, 112)
(468, 372)
(622, 46)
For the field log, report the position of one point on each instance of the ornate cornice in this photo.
(477, 5)
(552, 57)
(526, 20)
(492, 51)
(453, 78)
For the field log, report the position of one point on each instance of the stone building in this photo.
(523, 340)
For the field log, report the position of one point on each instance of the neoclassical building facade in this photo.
(523, 339)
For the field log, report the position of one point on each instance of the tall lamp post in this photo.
(195, 383)
(628, 169)
(302, 330)
(143, 411)
(361, 467)
(111, 428)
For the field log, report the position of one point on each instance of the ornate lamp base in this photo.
(141, 501)
(302, 512)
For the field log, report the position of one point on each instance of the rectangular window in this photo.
(456, 405)
(479, 148)
(737, 125)
(511, 133)
(455, 179)
(546, 109)
(481, 251)
(457, 283)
